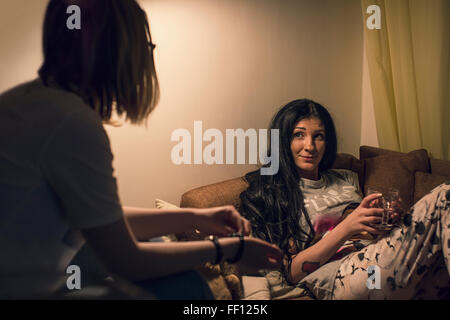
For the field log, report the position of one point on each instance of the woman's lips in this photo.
(307, 158)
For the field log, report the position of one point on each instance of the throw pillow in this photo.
(161, 204)
(366, 152)
(425, 182)
(350, 162)
(396, 171)
(255, 288)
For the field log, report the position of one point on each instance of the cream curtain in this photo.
(409, 67)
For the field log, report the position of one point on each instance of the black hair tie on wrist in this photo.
(240, 251)
(219, 251)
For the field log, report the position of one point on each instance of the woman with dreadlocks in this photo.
(58, 190)
(302, 207)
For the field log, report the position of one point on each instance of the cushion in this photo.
(366, 152)
(350, 162)
(161, 204)
(216, 281)
(440, 167)
(343, 161)
(255, 288)
(397, 171)
(425, 182)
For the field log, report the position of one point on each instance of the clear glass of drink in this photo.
(382, 203)
(377, 203)
(392, 203)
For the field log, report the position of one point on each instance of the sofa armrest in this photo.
(217, 194)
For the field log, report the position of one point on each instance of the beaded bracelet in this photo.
(219, 251)
(240, 251)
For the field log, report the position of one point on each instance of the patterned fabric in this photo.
(413, 260)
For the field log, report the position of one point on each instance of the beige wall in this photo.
(20, 40)
(228, 63)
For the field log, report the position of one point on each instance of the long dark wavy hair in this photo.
(274, 203)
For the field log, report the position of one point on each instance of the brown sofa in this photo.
(413, 173)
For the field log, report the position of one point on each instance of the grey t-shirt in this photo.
(56, 178)
(330, 195)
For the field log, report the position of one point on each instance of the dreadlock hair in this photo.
(274, 204)
(108, 62)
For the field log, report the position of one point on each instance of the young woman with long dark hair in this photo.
(313, 212)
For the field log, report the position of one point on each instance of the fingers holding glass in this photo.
(390, 201)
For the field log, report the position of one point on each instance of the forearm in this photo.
(123, 255)
(309, 260)
(147, 223)
(155, 260)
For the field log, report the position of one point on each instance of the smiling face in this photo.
(308, 147)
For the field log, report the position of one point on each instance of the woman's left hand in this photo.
(221, 221)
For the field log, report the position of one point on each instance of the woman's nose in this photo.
(309, 144)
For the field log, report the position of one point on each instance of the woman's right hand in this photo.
(361, 218)
(259, 254)
(220, 221)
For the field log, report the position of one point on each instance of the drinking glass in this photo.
(377, 203)
(382, 203)
(392, 203)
